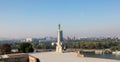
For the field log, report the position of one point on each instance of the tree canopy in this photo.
(5, 49)
(25, 47)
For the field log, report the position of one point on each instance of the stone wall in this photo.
(20, 57)
(32, 59)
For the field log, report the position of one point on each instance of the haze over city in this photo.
(81, 18)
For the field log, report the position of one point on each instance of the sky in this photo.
(40, 18)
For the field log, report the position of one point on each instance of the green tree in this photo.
(5, 49)
(115, 48)
(25, 47)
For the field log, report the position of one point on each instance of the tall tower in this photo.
(59, 39)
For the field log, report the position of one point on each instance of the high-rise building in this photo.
(61, 35)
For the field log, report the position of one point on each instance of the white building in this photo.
(116, 52)
(28, 40)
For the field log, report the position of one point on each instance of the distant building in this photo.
(50, 39)
(61, 35)
(28, 40)
(118, 37)
(14, 50)
(73, 38)
(70, 38)
(116, 52)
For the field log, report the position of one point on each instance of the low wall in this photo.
(33, 59)
(19, 57)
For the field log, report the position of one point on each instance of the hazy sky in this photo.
(39, 18)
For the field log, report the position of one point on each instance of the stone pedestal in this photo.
(59, 49)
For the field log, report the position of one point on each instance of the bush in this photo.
(115, 48)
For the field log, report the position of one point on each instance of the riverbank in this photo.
(66, 57)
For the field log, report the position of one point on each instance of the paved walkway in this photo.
(67, 57)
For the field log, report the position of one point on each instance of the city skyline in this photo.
(84, 18)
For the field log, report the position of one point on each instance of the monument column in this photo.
(59, 47)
